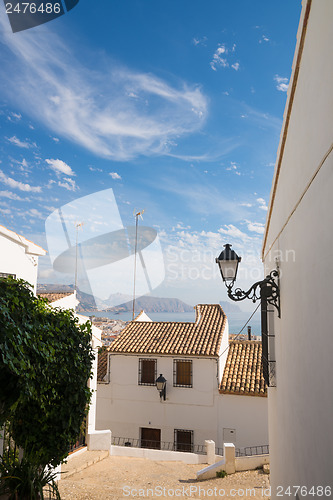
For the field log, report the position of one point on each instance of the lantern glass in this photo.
(160, 382)
(228, 262)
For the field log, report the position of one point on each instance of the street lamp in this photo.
(267, 291)
(161, 386)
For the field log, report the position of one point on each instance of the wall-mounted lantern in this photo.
(161, 386)
(267, 291)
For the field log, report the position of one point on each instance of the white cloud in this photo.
(92, 169)
(91, 105)
(235, 66)
(21, 144)
(264, 38)
(219, 58)
(233, 168)
(256, 227)
(60, 166)
(11, 196)
(200, 41)
(69, 184)
(262, 204)
(114, 175)
(233, 232)
(14, 117)
(282, 83)
(55, 139)
(18, 185)
(33, 212)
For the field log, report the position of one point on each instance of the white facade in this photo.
(125, 406)
(19, 256)
(299, 231)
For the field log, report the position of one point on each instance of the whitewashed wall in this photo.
(19, 256)
(124, 406)
(300, 233)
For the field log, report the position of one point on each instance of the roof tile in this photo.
(201, 338)
(243, 372)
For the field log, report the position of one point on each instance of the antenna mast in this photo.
(137, 215)
(77, 225)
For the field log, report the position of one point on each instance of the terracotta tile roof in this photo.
(102, 366)
(202, 338)
(243, 372)
(53, 296)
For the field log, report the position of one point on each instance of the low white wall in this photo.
(170, 456)
(230, 464)
(99, 440)
(251, 463)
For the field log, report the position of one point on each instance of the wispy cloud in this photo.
(60, 167)
(262, 204)
(18, 185)
(21, 144)
(114, 175)
(14, 117)
(68, 184)
(200, 41)
(92, 106)
(233, 167)
(264, 38)
(282, 83)
(256, 227)
(219, 58)
(11, 196)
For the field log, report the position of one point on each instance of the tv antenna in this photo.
(77, 225)
(136, 215)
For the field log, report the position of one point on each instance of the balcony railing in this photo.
(248, 451)
(159, 445)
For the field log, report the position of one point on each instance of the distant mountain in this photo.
(88, 302)
(154, 304)
(229, 307)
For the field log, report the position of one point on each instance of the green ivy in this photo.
(45, 364)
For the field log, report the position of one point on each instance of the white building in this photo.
(208, 388)
(299, 232)
(19, 256)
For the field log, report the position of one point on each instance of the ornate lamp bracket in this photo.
(267, 289)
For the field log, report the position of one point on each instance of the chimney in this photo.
(249, 332)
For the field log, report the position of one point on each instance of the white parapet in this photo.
(227, 464)
(99, 440)
(210, 451)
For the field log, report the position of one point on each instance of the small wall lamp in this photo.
(161, 386)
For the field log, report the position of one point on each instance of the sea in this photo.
(237, 320)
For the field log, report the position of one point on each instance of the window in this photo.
(182, 373)
(150, 438)
(147, 371)
(5, 275)
(183, 440)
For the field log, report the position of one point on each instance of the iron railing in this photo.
(248, 451)
(200, 449)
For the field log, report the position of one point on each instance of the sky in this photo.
(173, 107)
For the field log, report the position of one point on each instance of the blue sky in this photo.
(177, 106)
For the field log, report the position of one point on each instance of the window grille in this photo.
(147, 371)
(182, 373)
(6, 275)
(183, 440)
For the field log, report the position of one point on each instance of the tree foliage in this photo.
(45, 364)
